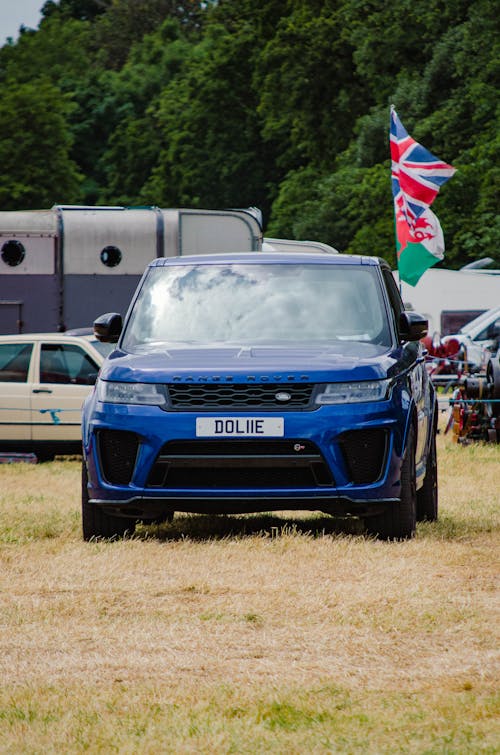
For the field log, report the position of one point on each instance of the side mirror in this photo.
(108, 327)
(412, 326)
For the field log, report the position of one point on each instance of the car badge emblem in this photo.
(283, 396)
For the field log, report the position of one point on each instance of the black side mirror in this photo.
(107, 328)
(412, 326)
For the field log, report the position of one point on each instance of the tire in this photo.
(167, 518)
(399, 520)
(493, 380)
(96, 523)
(427, 496)
(44, 456)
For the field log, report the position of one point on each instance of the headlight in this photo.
(130, 393)
(353, 393)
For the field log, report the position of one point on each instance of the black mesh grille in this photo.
(240, 464)
(364, 454)
(209, 396)
(118, 452)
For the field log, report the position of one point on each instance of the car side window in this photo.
(67, 363)
(490, 331)
(14, 362)
(395, 300)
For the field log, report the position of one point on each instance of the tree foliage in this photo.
(36, 169)
(282, 104)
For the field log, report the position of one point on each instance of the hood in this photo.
(340, 362)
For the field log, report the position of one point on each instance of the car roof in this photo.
(267, 258)
(46, 337)
(481, 320)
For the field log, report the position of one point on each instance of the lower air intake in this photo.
(118, 453)
(364, 454)
(239, 465)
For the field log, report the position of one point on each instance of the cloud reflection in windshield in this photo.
(252, 303)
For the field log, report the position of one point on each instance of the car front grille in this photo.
(364, 454)
(260, 396)
(240, 464)
(118, 453)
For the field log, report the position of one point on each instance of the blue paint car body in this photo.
(203, 446)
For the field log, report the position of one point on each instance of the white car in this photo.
(44, 378)
(478, 337)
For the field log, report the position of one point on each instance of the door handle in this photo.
(42, 390)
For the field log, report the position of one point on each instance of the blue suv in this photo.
(262, 382)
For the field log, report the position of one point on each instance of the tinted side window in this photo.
(15, 362)
(66, 363)
(490, 331)
(394, 298)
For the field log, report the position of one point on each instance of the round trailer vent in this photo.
(13, 253)
(111, 256)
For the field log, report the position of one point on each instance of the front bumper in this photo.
(153, 479)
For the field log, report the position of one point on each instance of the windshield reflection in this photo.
(258, 304)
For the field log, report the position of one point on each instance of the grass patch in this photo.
(324, 719)
(269, 633)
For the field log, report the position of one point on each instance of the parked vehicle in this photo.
(478, 339)
(44, 378)
(246, 383)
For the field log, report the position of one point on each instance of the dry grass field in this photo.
(249, 634)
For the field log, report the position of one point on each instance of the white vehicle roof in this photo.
(479, 323)
(56, 338)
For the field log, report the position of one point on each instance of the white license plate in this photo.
(224, 427)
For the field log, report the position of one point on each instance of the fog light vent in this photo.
(364, 454)
(118, 453)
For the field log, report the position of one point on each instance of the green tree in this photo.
(212, 154)
(133, 146)
(127, 21)
(59, 51)
(283, 104)
(310, 95)
(35, 166)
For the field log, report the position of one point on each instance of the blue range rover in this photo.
(262, 382)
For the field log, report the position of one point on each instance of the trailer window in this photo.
(13, 253)
(111, 256)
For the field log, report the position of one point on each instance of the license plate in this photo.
(224, 427)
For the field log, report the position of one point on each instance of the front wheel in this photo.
(399, 520)
(95, 522)
(427, 496)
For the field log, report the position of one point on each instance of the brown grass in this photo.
(249, 634)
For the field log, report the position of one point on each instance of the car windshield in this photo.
(302, 304)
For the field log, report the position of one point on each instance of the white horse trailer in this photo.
(61, 268)
(451, 298)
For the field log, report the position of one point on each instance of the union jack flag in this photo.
(417, 175)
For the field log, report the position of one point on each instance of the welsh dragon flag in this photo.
(417, 176)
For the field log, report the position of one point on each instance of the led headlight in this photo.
(353, 393)
(130, 393)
